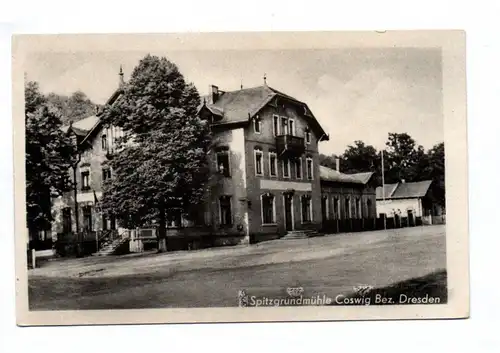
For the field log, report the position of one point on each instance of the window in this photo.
(276, 125)
(174, 218)
(306, 209)
(273, 164)
(66, 218)
(226, 218)
(368, 207)
(104, 222)
(308, 136)
(347, 208)
(258, 162)
(298, 168)
(309, 166)
(222, 160)
(284, 126)
(268, 209)
(257, 125)
(286, 168)
(336, 207)
(104, 142)
(359, 210)
(106, 174)
(87, 218)
(85, 180)
(291, 127)
(324, 207)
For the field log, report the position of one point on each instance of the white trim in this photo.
(301, 167)
(275, 164)
(255, 152)
(308, 134)
(307, 168)
(276, 133)
(262, 211)
(291, 131)
(291, 211)
(283, 168)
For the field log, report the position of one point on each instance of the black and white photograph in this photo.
(232, 178)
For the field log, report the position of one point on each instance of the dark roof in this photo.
(388, 190)
(405, 190)
(242, 105)
(328, 174)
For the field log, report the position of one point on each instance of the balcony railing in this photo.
(290, 145)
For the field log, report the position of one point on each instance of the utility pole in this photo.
(383, 187)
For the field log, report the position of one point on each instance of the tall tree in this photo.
(162, 161)
(72, 108)
(435, 171)
(402, 157)
(328, 161)
(359, 158)
(49, 155)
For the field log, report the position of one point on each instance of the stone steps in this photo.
(301, 234)
(110, 248)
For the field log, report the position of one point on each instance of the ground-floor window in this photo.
(306, 208)
(268, 209)
(66, 218)
(324, 207)
(174, 218)
(87, 218)
(336, 207)
(226, 217)
(347, 208)
(359, 210)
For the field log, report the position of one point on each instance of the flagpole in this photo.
(383, 187)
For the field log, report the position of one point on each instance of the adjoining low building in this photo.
(348, 201)
(412, 203)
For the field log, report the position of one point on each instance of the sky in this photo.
(356, 94)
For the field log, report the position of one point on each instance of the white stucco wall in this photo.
(389, 207)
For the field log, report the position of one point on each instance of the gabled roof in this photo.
(405, 190)
(388, 189)
(83, 126)
(328, 174)
(244, 104)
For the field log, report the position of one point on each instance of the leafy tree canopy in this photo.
(162, 163)
(49, 155)
(72, 108)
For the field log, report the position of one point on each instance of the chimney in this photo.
(121, 82)
(213, 93)
(337, 164)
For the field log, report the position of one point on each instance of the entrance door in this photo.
(288, 213)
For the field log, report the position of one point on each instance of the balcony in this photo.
(292, 146)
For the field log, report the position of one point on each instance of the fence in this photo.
(366, 224)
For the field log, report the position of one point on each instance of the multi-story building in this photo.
(265, 173)
(266, 158)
